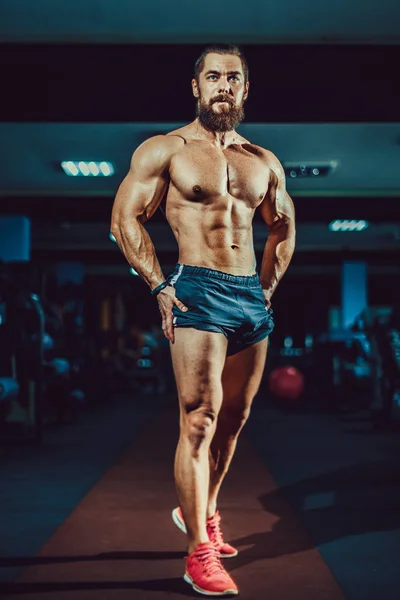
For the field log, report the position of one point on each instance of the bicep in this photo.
(280, 212)
(143, 188)
(138, 197)
(277, 207)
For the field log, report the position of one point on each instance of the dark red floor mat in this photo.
(120, 541)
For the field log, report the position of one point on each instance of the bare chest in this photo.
(202, 173)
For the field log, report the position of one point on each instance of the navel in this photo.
(197, 189)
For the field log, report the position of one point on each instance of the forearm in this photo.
(139, 251)
(277, 255)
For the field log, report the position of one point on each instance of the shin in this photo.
(222, 449)
(192, 471)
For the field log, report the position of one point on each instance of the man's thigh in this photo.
(198, 358)
(241, 376)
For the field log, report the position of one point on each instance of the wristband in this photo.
(160, 287)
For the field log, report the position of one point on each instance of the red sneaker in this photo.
(214, 532)
(205, 573)
(215, 536)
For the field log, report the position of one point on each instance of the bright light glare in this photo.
(70, 168)
(361, 225)
(133, 272)
(112, 238)
(84, 169)
(106, 168)
(91, 168)
(348, 225)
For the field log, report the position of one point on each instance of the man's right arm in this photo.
(137, 199)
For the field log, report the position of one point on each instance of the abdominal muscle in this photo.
(216, 235)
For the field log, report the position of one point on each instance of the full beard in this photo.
(225, 120)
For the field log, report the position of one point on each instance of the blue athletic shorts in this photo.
(230, 304)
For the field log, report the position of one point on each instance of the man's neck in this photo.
(222, 139)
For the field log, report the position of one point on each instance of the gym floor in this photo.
(312, 502)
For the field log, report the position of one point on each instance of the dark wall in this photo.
(289, 83)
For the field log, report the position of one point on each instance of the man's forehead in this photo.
(222, 62)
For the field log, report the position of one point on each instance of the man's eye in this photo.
(212, 77)
(235, 78)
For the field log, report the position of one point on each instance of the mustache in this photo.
(222, 98)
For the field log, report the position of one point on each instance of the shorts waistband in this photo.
(203, 272)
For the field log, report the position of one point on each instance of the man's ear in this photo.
(246, 90)
(195, 88)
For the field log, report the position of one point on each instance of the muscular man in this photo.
(215, 307)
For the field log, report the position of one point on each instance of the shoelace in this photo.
(210, 561)
(213, 524)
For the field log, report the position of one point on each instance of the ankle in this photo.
(211, 510)
(192, 547)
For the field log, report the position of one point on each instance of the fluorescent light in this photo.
(70, 168)
(311, 170)
(348, 225)
(106, 168)
(93, 168)
(90, 168)
(84, 168)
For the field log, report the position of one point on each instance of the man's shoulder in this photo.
(162, 143)
(181, 132)
(157, 150)
(270, 160)
(264, 153)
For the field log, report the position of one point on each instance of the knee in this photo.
(233, 417)
(198, 425)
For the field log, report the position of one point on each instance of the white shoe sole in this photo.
(200, 591)
(178, 522)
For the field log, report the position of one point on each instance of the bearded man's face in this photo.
(221, 91)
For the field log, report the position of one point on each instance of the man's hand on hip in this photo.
(166, 300)
(267, 299)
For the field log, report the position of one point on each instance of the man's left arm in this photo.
(277, 211)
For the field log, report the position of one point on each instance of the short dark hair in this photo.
(221, 49)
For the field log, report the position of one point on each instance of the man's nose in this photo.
(224, 86)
